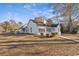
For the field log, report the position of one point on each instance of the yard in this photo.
(49, 49)
(24, 45)
(72, 36)
(26, 37)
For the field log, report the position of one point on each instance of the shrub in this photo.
(53, 34)
(47, 35)
(74, 30)
(62, 28)
(42, 34)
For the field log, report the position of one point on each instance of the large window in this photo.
(41, 30)
(54, 29)
(23, 29)
(30, 29)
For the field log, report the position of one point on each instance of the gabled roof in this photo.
(54, 25)
(42, 24)
(39, 23)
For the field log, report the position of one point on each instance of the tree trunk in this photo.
(69, 11)
(70, 25)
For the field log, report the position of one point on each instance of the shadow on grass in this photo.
(17, 41)
(13, 34)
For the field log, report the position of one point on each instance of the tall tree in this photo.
(67, 10)
(13, 25)
(5, 25)
(10, 25)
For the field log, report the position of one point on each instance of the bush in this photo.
(74, 30)
(53, 34)
(62, 28)
(47, 35)
(42, 34)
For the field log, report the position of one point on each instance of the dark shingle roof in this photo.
(42, 24)
(54, 25)
(39, 23)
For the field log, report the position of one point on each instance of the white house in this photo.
(40, 26)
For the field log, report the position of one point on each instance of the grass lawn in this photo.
(72, 36)
(26, 37)
(38, 50)
(47, 49)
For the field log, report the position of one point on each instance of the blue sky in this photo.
(23, 12)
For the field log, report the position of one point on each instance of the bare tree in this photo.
(10, 25)
(13, 25)
(67, 10)
(5, 25)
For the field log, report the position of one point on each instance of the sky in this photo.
(24, 11)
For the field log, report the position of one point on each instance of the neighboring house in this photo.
(40, 26)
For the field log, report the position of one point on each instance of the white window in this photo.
(31, 29)
(48, 29)
(53, 29)
(41, 30)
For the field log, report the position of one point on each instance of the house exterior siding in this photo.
(53, 30)
(42, 27)
(32, 28)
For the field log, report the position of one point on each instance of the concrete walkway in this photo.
(67, 38)
(64, 37)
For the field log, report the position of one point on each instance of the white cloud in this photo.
(8, 15)
(14, 16)
(36, 12)
(50, 10)
(34, 4)
(40, 11)
(46, 13)
(30, 7)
